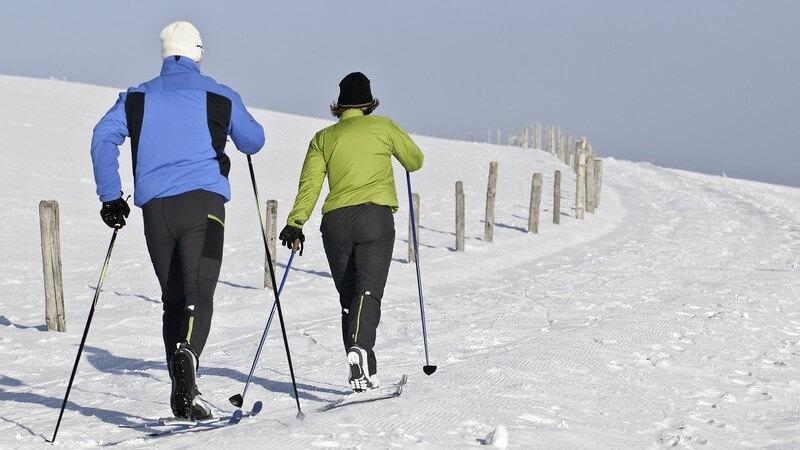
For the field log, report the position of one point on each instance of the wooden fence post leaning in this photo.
(580, 188)
(557, 198)
(411, 255)
(459, 216)
(491, 192)
(590, 186)
(598, 180)
(272, 224)
(51, 264)
(536, 203)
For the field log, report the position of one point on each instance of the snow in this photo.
(669, 317)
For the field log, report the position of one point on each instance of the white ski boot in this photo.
(360, 380)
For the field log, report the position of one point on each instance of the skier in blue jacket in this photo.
(178, 124)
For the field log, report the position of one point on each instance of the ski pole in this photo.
(238, 399)
(86, 330)
(427, 368)
(300, 414)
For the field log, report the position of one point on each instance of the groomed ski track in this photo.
(669, 317)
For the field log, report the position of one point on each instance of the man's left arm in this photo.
(247, 134)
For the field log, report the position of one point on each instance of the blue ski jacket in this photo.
(178, 123)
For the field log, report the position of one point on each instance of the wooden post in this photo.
(578, 147)
(590, 186)
(575, 148)
(545, 133)
(557, 198)
(539, 136)
(536, 202)
(272, 236)
(415, 200)
(491, 191)
(547, 139)
(557, 142)
(598, 180)
(580, 188)
(559, 145)
(568, 151)
(532, 141)
(459, 216)
(51, 264)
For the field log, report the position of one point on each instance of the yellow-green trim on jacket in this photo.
(356, 155)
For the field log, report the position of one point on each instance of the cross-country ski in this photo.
(380, 393)
(177, 421)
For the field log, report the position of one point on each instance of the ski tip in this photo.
(300, 415)
(429, 369)
(236, 417)
(257, 407)
(237, 400)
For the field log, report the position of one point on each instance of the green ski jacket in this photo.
(356, 154)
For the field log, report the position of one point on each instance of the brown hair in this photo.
(367, 108)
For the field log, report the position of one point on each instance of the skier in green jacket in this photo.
(357, 224)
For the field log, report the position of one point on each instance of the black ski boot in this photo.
(185, 399)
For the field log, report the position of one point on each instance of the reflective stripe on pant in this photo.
(358, 242)
(184, 236)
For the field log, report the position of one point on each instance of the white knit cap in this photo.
(181, 38)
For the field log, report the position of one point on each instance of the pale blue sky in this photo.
(711, 85)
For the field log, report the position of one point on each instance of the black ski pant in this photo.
(358, 242)
(184, 236)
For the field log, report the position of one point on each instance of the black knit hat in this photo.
(354, 90)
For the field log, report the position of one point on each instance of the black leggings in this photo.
(358, 242)
(184, 236)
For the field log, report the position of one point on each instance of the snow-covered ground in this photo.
(669, 317)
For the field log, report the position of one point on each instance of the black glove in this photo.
(115, 212)
(289, 234)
